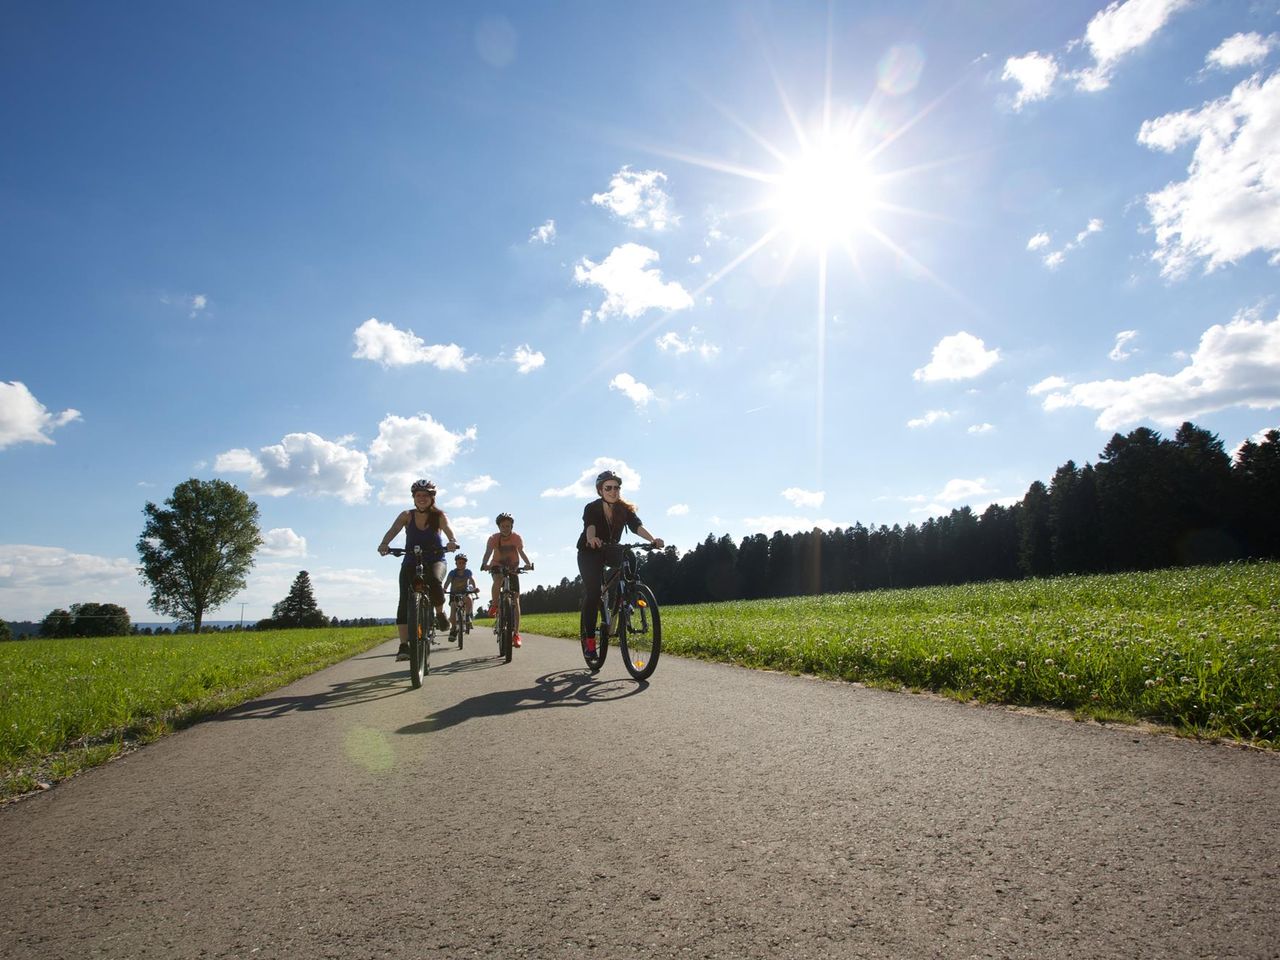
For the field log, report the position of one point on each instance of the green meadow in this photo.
(67, 704)
(1197, 649)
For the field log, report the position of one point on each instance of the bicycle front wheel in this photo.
(640, 633)
(418, 642)
(506, 628)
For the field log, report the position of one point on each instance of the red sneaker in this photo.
(515, 640)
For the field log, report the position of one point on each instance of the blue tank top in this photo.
(428, 539)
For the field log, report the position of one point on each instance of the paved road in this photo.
(531, 810)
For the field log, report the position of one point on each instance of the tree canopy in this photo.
(197, 550)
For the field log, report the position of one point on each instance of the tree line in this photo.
(1149, 502)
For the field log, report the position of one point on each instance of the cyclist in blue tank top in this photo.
(423, 526)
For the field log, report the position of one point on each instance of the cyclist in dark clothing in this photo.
(603, 521)
(422, 527)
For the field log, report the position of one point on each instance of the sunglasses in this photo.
(610, 487)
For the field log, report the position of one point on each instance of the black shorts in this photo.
(515, 580)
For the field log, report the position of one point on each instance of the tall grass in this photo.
(1195, 648)
(69, 703)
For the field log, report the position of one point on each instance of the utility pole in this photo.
(242, 616)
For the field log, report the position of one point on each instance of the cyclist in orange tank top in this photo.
(505, 548)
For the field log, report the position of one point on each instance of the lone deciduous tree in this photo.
(195, 553)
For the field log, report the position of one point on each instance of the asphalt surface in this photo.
(533, 810)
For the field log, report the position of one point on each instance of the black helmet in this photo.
(607, 475)
(423, 485)
(505, 516)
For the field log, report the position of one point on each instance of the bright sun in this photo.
(826, 195)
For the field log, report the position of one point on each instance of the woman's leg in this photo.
(591, 566)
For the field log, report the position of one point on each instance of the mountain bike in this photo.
(421, 617)
(459, 616)
(505, 624)
(628, 611)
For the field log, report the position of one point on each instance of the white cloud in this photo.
(804, 499)
(1119, 30)
(35, 580)
(637, 392)
(457, 502)
(283, 542)
(631, 287)
(1054, 259)
(981, 428)
(1118, 352)
(1229, 205)
(929, 419)
(678, 510)
(303, 463)
(198, 304)
(465, 528)
(1047, 385)
(1034, 74)
(481, 484)
(408, 448)
(24, 419)
(956, 492)
(1236, 365)
(585, 485)
(527, 359)
(1240, 50)
(671, 342)
(960, 356)
(774, 523)
(544, 234)
(391, 347)
(637, 198)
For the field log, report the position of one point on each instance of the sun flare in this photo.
(826, 194)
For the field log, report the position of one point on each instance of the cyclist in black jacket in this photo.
(603, 521)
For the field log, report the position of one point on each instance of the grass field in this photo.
(1196, 648)
(69, 704)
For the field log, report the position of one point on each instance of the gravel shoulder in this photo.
(534, 810)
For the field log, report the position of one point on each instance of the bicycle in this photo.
(421, 617)
(629, 611)
(460, 617)
(505, 624)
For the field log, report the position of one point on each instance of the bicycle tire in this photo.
(417, 640)
(506, 631)
(639, 628)
(594, 663)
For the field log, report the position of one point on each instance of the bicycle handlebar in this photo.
(401, 551)
(503, 568)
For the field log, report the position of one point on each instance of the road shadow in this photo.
(565, 688)
(347, 693)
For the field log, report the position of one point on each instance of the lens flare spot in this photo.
(899, 69)
(368, 748)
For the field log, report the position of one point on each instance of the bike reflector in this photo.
(641, 603)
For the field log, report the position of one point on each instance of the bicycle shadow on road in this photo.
(565, 688)
(348, 693)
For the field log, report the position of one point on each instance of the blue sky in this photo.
(780, 265)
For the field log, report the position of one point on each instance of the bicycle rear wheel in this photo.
(640, 633)
(506, 628)
(418, 642)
